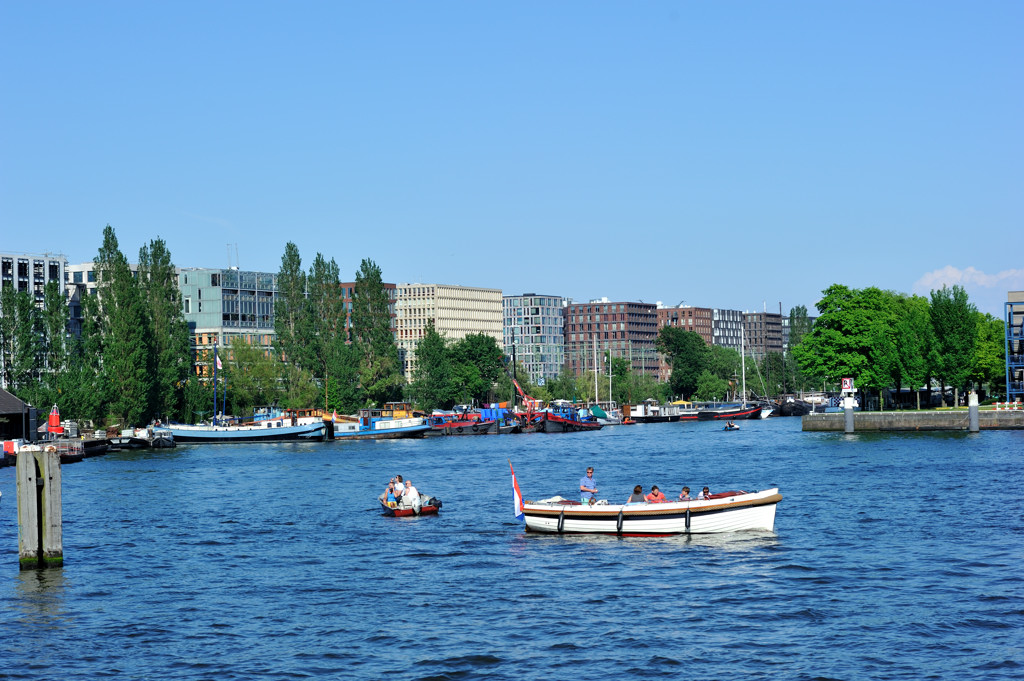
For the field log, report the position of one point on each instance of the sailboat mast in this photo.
(743, 365)
(215, 383)
(596, 395)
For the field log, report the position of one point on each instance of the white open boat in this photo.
(723, 512)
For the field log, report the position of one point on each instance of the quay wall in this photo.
(874, 421)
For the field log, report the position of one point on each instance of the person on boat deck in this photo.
(705, 493)
(637, 497)
(588, 488)
(685, 494)
(656, 497)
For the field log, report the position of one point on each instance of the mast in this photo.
(743, 366)
(214, 383)
(596, 394)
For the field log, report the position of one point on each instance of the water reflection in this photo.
(40, 597)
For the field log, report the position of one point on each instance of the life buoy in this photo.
(459, 429)
(476, 428)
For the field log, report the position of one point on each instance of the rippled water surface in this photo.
(894, 557)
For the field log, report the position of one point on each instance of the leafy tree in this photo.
(989, 366)
(433, 379)
(711, 387)
(840, 343)
(127, 368)
(953, 320)
(912, 336)
(380, 372)
(688, 355)
(251, 377)
(171, 352)
(197, 400)
(22, 350)
(481, 360)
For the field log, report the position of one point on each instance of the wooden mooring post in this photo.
(40, 533)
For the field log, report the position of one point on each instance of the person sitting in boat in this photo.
(637, 497)
(685, 494)
(588, 488)
(656, 497)
(399, 486)
(410, 494)
(389, 495)
(705, 493)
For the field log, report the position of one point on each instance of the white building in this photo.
(456, 312)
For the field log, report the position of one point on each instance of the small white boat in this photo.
(723, 512)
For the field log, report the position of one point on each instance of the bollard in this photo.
(848, 413)
(40, 539)
(972, 409)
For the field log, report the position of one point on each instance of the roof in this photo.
(9, 404)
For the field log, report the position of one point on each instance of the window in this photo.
(188, 304)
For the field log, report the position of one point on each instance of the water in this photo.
(894, 557)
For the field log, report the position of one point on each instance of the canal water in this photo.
(894, 557)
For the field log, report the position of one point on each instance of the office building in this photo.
(534, 325)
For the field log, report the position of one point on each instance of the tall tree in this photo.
(291, 316)
(171, 345)
(688, 355)
(126, 364)
(954, 323)
(380, 371)
(326, 321)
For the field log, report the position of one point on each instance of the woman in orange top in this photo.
(656, 496)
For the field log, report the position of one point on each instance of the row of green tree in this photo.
(884, 340)
(131, 360)
(892, 340)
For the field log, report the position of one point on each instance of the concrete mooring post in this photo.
(40, 533)
(848, 413)
(972, 410)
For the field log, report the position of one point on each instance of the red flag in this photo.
(517, 496)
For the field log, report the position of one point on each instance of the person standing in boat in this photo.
(588, 488)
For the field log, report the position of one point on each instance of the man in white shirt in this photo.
(410, 494)
(399, 487)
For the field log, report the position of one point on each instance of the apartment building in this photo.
(625, 329)
(727, 328)
(456, 311)
(31, 272)
(763, 333)
(534, 326)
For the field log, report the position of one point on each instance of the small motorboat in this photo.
(424, 505)
(731, 426)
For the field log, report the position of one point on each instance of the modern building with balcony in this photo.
(1014, 319)
(623, 329)
(534, 325)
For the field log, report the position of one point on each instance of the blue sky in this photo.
(728, 154)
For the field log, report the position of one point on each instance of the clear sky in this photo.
(726, 154)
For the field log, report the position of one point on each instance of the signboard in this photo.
(847, 384)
